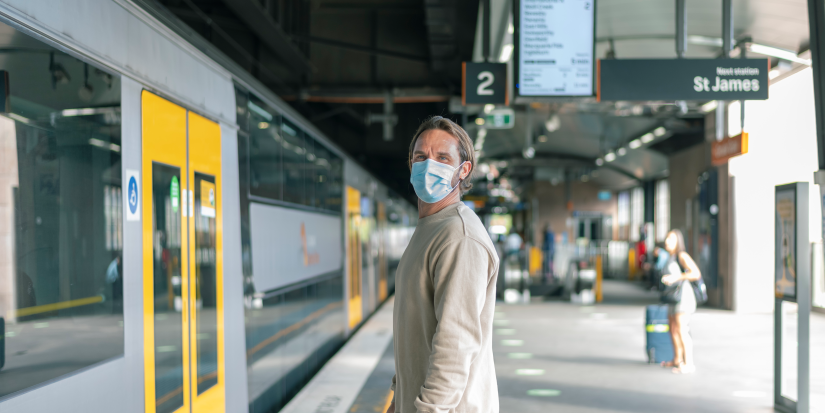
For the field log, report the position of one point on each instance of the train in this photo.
(173, 236)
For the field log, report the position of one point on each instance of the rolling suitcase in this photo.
(659, 343)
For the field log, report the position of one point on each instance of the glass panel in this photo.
(335, 194)
(166, 221)
(790, 350)
(309, 171)
(294, 158)
(266, 147)
(61, 228)
(206, 285)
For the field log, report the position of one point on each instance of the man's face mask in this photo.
(432, 180)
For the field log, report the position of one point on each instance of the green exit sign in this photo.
(500, 119)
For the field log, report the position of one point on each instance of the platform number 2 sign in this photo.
(484, 83)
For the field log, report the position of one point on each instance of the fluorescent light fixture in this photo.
(659, 131)
(21, 119)
(705, 41)
(647, 138)
(635, 144)
(489, 107)
(510, 28)
(105, 145)
(260, 111)
(610, 157)
(777, 52)
(599, 161)
(710, 106)
(621, 152)
(506, 53)
(773, 74)
(498, 229)
(86, 111)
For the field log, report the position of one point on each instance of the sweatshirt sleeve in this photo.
(460, 277)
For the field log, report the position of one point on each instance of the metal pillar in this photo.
(681, 29)
(727, 46)
(486, 31)
(816, 23)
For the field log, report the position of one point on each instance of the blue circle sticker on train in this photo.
(133, 195)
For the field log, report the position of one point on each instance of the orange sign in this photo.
(309, 258)
(721, 151)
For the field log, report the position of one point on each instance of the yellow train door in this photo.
(182, 257)
(354, 255)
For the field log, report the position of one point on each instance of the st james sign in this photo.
(683, 79)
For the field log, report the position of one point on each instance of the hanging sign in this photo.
(722, 151)
(132, 194)
(555, 47)
(682, 79)
(483, 83)
(503, 118)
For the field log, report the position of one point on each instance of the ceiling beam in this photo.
(270, 33)
(365, 49)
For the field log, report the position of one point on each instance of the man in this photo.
(445, 286)
(549, 248)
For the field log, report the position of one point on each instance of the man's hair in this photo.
(465, 145)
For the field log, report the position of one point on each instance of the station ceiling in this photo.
(336, 60)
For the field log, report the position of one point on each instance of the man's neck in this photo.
(425, 209)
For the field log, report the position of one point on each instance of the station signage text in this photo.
(683, 79)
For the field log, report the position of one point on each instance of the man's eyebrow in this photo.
(444, 153)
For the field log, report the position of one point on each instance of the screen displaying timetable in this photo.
(555, 47)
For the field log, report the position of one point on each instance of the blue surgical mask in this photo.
(432, 180)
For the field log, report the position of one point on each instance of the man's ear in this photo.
(465, 170)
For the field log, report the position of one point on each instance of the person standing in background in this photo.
(549, 250)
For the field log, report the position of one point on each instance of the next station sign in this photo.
(683, 79)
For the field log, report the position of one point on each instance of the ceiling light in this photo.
(105, 145)
(707, 107)
(553, 124)
(479, 121)
(510, 28)
(610, 157)
(621, 151)
(263, 125)
(489, 107)
(777, 52)
(506, 53)
(705, 41)
(774, 73)
(634, 144)
(529, 152)
(659, 131)
(260, 111)
(647, 138)
(542, 138)
(599, 161)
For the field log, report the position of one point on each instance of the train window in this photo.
(266, 146)
(309, 171)
(61, 220)
(294, 163)
(335, 188)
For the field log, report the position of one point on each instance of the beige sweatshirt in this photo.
(445, 296)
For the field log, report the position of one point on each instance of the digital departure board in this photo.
(555, 47)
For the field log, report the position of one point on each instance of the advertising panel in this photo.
(785, 243)
(555, 47)
(289, 245)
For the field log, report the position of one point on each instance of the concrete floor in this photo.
(591, 359)
(553, 356)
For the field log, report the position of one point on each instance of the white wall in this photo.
(782, 149)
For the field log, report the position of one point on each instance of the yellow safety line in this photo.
(291, 328)
(388, 403)
(59, 306)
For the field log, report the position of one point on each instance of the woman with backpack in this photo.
(682, 277)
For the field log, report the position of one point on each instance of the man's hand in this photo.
(391, 409)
